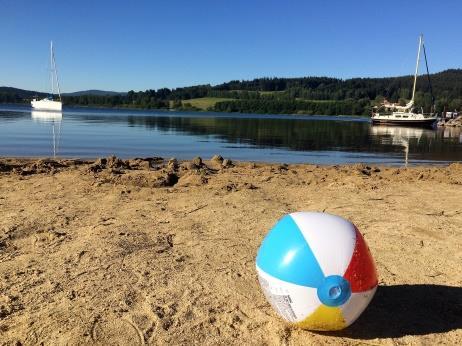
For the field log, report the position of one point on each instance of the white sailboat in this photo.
(48, 103)
(394, 114)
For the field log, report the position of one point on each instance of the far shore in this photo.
(193, 110)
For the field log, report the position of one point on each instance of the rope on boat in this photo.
(428, 76)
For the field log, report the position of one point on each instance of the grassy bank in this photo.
(203, 103)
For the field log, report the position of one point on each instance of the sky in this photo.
(138, 45)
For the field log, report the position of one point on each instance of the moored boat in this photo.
(49, 103)
(408, 115)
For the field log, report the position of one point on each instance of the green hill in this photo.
(14, 95)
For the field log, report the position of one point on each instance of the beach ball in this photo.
(316, 271)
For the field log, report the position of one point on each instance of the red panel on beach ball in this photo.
(361, 271)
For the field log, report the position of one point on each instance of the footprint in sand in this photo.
(116, 332)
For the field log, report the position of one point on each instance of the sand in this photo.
(150, 252)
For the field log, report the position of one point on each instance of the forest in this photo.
(306, 95)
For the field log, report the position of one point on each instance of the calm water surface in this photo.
(93, 133)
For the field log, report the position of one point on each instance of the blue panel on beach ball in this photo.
(285, 255)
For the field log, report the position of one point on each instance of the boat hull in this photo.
(426, 122)
(47, 104)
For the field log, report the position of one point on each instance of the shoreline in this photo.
(428, 164)
(150, 251)
(194, 111)
(204, 166)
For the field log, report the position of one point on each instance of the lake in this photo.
(90, 133)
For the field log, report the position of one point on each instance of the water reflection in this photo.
(54, 120)
(398, 136)
(315, 134)
(315, 139)
(452, 132)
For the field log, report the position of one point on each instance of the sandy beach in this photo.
(151, 251)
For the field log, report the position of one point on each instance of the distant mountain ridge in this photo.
(22, 93)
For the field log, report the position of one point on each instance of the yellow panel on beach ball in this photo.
(324, 318)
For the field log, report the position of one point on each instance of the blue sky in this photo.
(123, 45)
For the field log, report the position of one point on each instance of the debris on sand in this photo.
(167, 180)
(217, 158)
(4, 167)
(197, 161)
(192, 179)
(115, 164)
(173, 164)
(227, 163)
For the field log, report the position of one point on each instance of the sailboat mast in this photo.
(51, 69)
(417, 67)
(55, 70)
